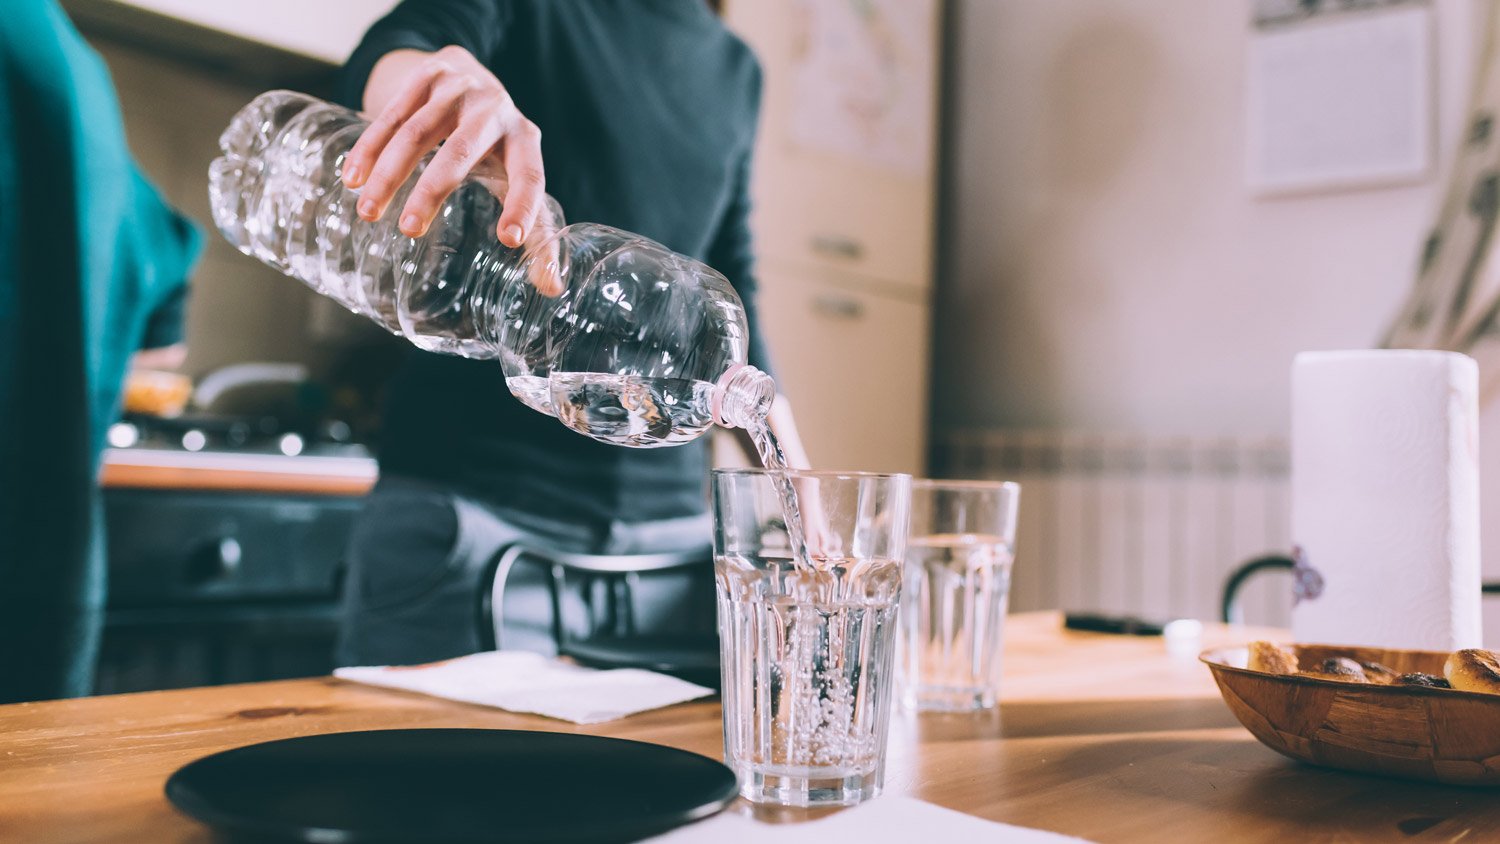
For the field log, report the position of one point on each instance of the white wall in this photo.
(1107, 268)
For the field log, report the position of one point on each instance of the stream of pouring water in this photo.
(772, 458)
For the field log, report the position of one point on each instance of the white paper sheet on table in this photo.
(897, 820)
(519, 681)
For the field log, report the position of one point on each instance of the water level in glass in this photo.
(632, 410)
(808, 662)
(956, 593)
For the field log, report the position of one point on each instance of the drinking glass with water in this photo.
(957, 591)
(808, 632)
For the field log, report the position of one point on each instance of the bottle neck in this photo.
(742, 397)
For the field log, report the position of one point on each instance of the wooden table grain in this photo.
(1105, 737)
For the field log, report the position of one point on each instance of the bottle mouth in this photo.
(742, 396)
(721, 389)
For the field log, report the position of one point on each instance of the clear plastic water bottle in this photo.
(617, 336)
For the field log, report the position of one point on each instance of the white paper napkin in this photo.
(898, 820)
(520, 681)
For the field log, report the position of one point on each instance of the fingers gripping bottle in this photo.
(617, 336)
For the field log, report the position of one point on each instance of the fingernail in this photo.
(514, 233)
(367, 209)
(411, 225)
(352, 175)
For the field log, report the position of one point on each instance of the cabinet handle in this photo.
(838, 307)
(838, 246)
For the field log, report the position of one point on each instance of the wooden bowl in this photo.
(1439, 735)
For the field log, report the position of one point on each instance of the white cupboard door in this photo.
(845, 164)
(324, 29)
(854, 365)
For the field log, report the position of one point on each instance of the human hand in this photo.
(448, 98)
(162, 358)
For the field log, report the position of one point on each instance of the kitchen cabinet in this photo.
(220, 587)
(845, 169)
(853, 363)
(225, 563)
(845, 190)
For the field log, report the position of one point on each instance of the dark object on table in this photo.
(1123, 624)
(443, 785)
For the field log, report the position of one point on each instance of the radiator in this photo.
(1145, 526)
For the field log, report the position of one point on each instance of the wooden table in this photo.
(1105, 737)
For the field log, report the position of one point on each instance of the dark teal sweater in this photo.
(88, 253)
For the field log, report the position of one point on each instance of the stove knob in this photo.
(337, 431)
(237, 435)
(218, 560)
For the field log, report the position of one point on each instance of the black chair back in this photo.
(1229, 607)
(613, 638)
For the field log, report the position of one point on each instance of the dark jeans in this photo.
(419, 553)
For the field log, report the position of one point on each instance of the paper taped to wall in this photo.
(1341, 101)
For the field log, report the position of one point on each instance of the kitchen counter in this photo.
(1107, 737)
(305, 474)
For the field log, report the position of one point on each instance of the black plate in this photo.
(451, 786)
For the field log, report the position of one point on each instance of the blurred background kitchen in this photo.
(1072, 244)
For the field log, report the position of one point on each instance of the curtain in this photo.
(1455, 303)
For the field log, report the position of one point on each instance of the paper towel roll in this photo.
(1385, 497)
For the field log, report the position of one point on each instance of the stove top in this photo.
(266, 435)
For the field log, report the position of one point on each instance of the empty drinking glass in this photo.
(958, 563)
(808, 636)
